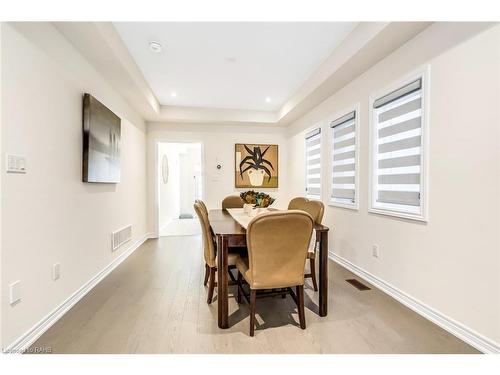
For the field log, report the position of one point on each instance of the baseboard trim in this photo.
(457, 329)
(22, 343)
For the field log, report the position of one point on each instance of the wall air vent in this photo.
(121, 236)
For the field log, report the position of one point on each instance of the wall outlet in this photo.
(375, 251)
(56, 271)
(15, 292)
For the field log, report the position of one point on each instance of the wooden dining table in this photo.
(229, 233)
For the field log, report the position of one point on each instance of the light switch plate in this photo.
(15, 292)
(16, 164)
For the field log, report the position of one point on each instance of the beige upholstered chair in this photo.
(232, 201)
(277, 245)
(316, 209)
(203, 205)
(209, 252)
(205, 210)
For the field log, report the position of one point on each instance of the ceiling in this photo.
(246, 66)
(296, 65)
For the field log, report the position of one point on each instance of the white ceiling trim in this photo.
(215, 115)
(103, 48)
(367, 44)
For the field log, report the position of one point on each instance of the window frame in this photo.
(424, 75)
(317, 127)
(352, 206)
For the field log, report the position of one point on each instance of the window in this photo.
(397, 151)
(344, 161)
(313, 164)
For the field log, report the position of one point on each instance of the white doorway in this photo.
(180, 182)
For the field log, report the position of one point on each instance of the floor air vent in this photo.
(121, 236)
(357, 284)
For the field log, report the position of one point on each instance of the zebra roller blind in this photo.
(344, 159)
(398, 149)
(313, 164)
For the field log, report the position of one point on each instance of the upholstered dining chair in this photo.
(316, 209)
(232, 201)
(202, 204)
(277, 244)
(205, 210)
(209, 252)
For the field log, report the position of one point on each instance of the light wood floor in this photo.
(155, 302)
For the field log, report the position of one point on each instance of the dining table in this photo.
(230, 234)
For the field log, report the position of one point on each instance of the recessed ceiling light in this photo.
(173, 94)
(268, 100)
(155, 46)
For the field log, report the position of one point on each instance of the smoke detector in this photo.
(155, 46)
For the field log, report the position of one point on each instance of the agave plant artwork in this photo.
(256, 165)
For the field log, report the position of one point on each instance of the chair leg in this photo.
(211, 285)
(231, 276)
(253, 299)
(238, 298)
(207, 274)
(300, 306)
(312, 264)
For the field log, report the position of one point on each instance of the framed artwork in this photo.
(101, 142)
(256, 166)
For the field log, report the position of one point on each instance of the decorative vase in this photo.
(256, 176)
(247, 207)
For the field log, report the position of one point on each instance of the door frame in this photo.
(157, 142)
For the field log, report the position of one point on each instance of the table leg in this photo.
(323, 274)
(222, 282)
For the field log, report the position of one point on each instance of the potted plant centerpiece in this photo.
(257, 199)
(264, 200)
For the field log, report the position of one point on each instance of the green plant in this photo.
(249, 197)
(258, 199)
(256, 160)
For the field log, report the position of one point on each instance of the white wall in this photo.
(452, 262)
(218, 148)
(48, 214)
(1, 178)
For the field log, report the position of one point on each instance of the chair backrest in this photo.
(208, 243)
(202, 204)
(277, 245)
(232, 201)
(314, 208)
